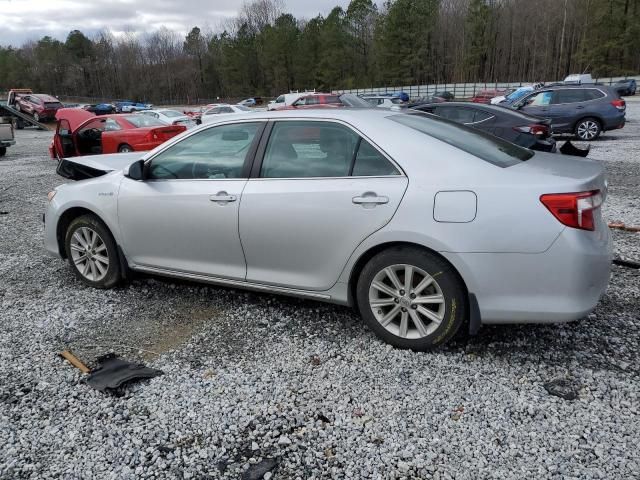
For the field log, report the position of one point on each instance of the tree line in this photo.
(266, 51)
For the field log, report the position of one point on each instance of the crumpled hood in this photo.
(81, 168)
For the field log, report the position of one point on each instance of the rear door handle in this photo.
(223, 197)
(370, 198)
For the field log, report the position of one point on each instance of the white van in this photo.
(579, 78)
(287, 99)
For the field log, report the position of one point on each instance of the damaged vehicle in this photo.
(80, 132)
(425, 226)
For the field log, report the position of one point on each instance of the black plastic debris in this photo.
(562, 387)
(113, 372)
(570, 149)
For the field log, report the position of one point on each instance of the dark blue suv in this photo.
(583, 110)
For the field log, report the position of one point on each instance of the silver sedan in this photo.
(422, 225)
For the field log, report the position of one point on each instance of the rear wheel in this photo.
(411, 298)
(125, 148)
(588, 129)
(92, 252)
(3, 151)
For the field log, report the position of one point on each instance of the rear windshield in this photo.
(139, 121)
(171, 113)
(487, 147)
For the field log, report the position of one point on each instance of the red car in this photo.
(485, 96)
(41, 107)
(317, 100)
(82, 133)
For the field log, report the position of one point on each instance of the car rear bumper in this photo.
(615, 122)
(562, 284)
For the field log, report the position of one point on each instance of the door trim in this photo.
(228, 282)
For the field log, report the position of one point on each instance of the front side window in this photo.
(280, 99)
(214, 154)
(539, 99)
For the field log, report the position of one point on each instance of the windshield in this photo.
(521, 92)
(351, 100)
(171, 113)
(139, 121)
(491, 149)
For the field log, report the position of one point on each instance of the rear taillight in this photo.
(620, 104)
(535, 129)
(574, 209)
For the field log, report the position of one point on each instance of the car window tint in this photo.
(593, 94)
(491, 149)
(280, 99)
(540, 99)
(110, 125)
(370, 162)
(456, 114)
(215, 153)
(570, 96)
(480, 116)
(308, 149)
(226, 110)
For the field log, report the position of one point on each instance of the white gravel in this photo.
(260, 386)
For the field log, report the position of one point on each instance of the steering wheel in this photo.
(92, 134)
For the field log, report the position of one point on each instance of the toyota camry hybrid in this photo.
(422, 225)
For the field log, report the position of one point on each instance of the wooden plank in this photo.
(75, 361)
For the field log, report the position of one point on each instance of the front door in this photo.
(64, 144)
(320, 190)
(184, 216)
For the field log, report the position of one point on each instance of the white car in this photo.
(383, 101)
(171, 117)
(223, 111)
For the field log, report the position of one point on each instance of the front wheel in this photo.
(92, 252)
(125, 148)
(588, 129)
(411, 298)
(3, 151)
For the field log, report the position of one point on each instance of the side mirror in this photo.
(135, 171)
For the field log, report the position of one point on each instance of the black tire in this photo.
(113, 273)
(3, 151)
(125, 148)
(19, 124)
(453, 291)
(588, 129)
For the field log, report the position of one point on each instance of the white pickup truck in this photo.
(6, 135)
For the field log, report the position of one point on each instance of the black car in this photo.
(626, 87)
(524, 130)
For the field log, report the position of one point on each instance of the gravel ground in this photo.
(257, 384)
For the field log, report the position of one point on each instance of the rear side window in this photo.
(139, 121)
(570, 96)
(300, 149)
(459, 115)
(476, 142)
(593, 94)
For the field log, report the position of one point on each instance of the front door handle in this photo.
(223, 197)
(370, 199)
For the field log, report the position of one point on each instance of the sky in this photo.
(22, 20)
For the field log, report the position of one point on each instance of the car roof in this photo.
(495, 109)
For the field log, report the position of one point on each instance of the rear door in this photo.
(568, 106)
(317, 191)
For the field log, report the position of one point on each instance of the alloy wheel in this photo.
(89, 254)
(407, 301)
(588, 130)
